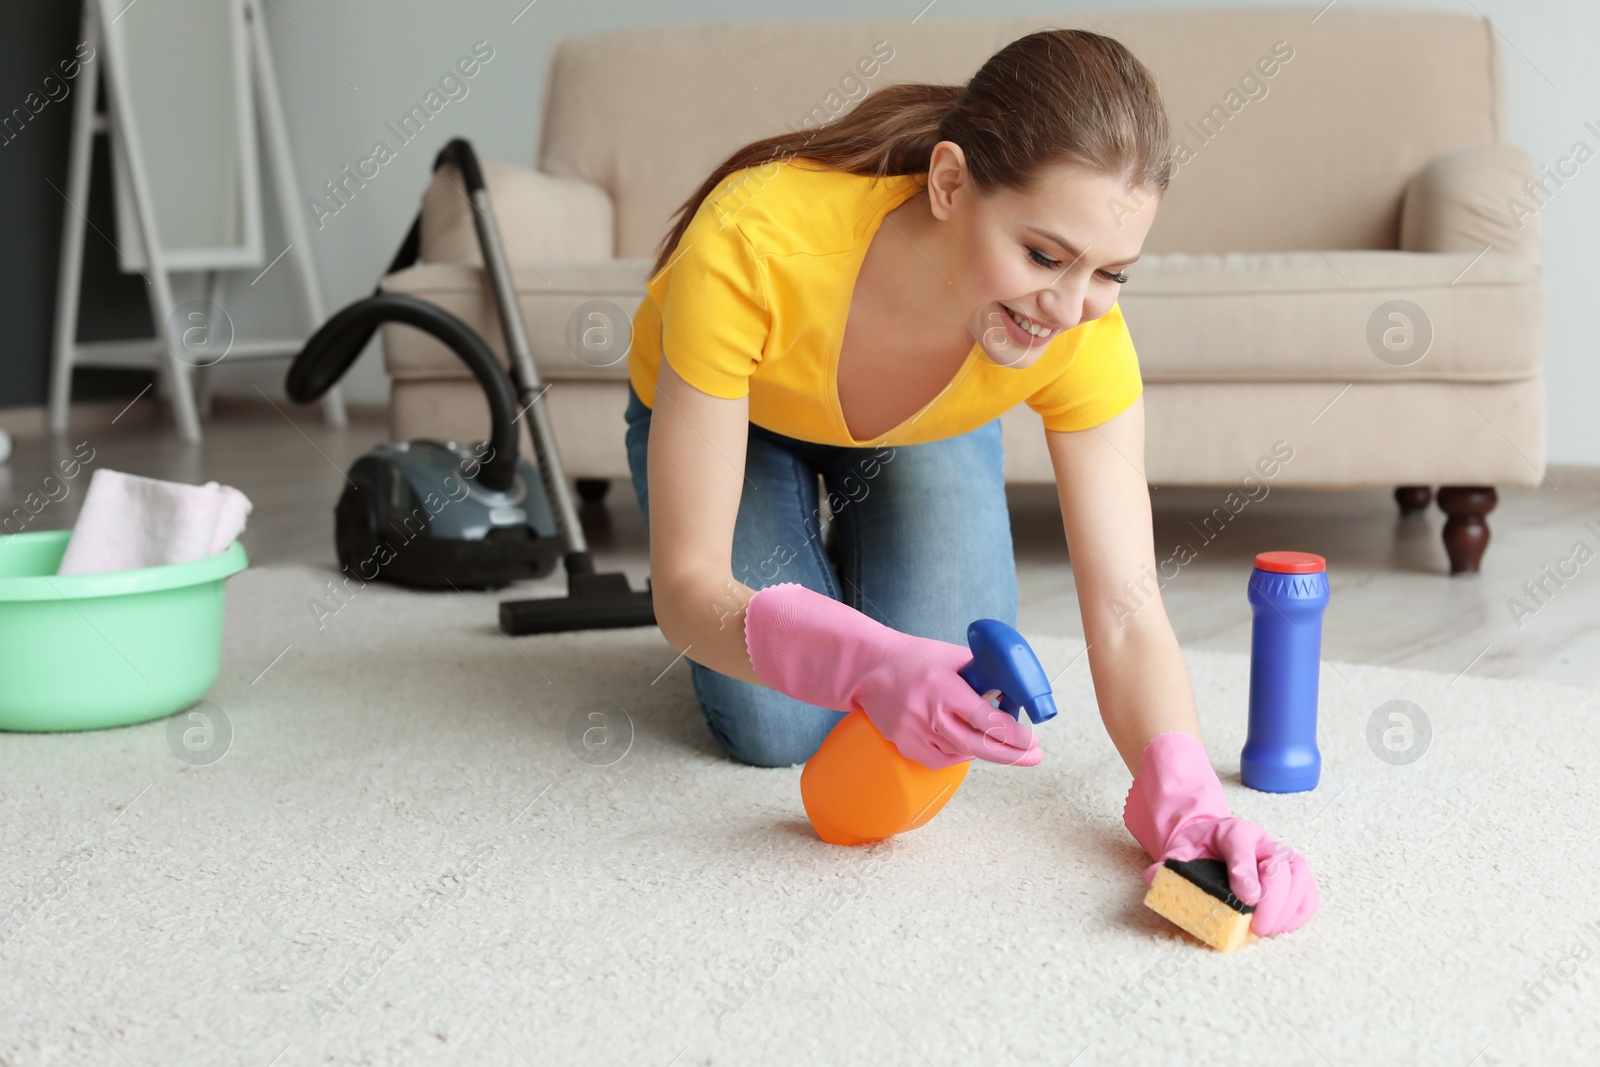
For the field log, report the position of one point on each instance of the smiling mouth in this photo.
(1027, 325)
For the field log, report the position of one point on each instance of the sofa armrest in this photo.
(541, 217)
(1470, 197)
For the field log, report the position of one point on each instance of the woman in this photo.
(862, 301)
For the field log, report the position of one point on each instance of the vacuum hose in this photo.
(331, 350)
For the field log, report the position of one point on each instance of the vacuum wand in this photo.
(523, 370)
(593, 601)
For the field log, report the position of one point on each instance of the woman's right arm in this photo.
(696, 477)
(812, 647)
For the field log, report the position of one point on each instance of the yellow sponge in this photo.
(1196, 895)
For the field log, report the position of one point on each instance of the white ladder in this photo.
(161, 352)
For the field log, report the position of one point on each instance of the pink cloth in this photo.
(810, 646)
(1176, 810)
(128, 522)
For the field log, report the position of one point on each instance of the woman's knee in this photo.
(760, 726)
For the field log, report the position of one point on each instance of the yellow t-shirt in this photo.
(755, 297)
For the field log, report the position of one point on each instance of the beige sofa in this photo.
(1330, 164)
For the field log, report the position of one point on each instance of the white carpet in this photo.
(401, 860)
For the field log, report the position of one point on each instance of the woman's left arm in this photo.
(1175, 808)
(1140, 679)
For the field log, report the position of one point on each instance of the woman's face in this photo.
(1049, 256)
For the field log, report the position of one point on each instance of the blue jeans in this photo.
(924, 546)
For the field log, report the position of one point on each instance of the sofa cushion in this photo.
(550, 296)
(538, 216)
(1199, 433)
(1310, 316)
(1262, 317)
(1292, 126)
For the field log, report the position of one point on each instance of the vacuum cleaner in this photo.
(440, 514)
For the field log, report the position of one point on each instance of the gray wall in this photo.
(349, 67)
(36, 37)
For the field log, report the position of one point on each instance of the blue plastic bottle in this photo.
(1288, 592)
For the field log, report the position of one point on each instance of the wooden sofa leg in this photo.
(1413, 499)
(1466, 534)
(593, 490)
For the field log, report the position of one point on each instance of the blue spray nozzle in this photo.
(1002, 660)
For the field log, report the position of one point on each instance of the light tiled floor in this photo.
(1393, 601)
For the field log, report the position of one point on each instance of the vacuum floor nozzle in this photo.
(593, 602)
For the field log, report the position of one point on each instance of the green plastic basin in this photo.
(87, 651)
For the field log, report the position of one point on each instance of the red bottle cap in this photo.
(1290, 562)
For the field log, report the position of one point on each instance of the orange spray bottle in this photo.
(858, 788)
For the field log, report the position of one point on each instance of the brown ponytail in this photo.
(1054, 96)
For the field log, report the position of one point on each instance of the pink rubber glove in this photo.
(814, 648)
(1176, 810)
